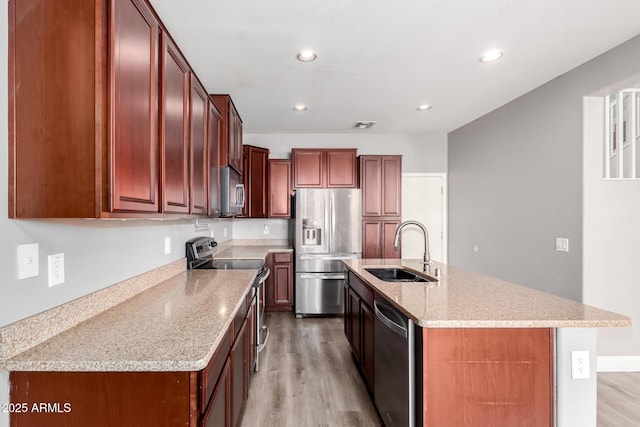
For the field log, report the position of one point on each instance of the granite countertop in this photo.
(250, 252)
(173, 326)
(461, 299)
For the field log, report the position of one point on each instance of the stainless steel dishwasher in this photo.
(394, 366)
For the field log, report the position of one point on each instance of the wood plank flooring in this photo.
(307, 378)
(619, 399)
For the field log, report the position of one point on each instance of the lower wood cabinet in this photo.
(359, 324)
(280, 282)
(212, 397)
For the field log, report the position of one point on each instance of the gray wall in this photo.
(515, 180)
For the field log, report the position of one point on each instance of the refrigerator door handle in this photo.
(330, 257)
(322, 276)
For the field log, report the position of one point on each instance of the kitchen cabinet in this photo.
(359, 326)
(279, 178)
(214, 396)
(198, 113)
(230, 134)
(324, 168)
(102, 133)
(279, 284)
(174, 134)
(255, 181)
(381, 183)
(213, 143)
(377, 238)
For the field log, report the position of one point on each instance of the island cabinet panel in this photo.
(141, 398)
(487, 377)
(279, 177)
(174, 135)
(359, 326)
(324, 168)
(134, 110)
(279, 284)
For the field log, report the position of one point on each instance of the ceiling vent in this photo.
(364, 124)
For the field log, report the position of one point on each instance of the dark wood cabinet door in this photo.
(371, 238)
(341, 169)
(213, 145)
(198, 148)
(367, 346)
(371, 184)
(354, 307)
(235, 139)
(255, 178)
(218, 411)
(238, 375)
(308, 168)
(346, 316)
(134, 108)
(283, 287)
(391, 185)
(279, 178)
(174, 134)
(389, 227)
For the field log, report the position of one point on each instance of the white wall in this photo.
(421, 153)
(611, 239)
(253, 228)
(515, 180)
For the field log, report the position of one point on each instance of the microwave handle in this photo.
(240, 196)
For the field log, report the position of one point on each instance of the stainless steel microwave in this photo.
(232, 195)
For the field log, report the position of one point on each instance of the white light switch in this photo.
(56, 269)
(562, 244)
(266, 229)
(28, 261)
(167, 245)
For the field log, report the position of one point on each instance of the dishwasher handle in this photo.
(383, 312)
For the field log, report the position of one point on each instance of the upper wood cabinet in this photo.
(279, 188)
(198, 114)
(255, 181)
(213, 143)
(174, 135)
(231, 133)
(381, 181)
(99, 116)
(324, 168)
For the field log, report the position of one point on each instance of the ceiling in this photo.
(379, 59)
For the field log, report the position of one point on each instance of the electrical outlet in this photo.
(167, 245)
(580, 364)
(266, 229)
(562, 244)
(28, 261)
(225, 232)
(56, 269)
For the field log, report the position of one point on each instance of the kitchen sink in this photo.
(398, 275)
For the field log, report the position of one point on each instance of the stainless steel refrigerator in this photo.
(328, 228)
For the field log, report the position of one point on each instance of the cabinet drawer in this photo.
(281, 257)
(365, 293)
(209, 376)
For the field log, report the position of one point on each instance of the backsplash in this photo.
(254, 229)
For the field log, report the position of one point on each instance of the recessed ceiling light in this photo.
(300, 108)
(491, 55)
(424, 107)
(307, 55)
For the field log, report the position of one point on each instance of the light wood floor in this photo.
(307, 379)
(619, 399)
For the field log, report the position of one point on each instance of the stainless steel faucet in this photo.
(427, 257)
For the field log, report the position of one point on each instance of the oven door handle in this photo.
(263, 276)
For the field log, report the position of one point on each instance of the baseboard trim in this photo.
(618, 364)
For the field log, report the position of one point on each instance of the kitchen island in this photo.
(487, 352)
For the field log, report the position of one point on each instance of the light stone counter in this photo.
(250, 252)
(173, 326)
(462, 299)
